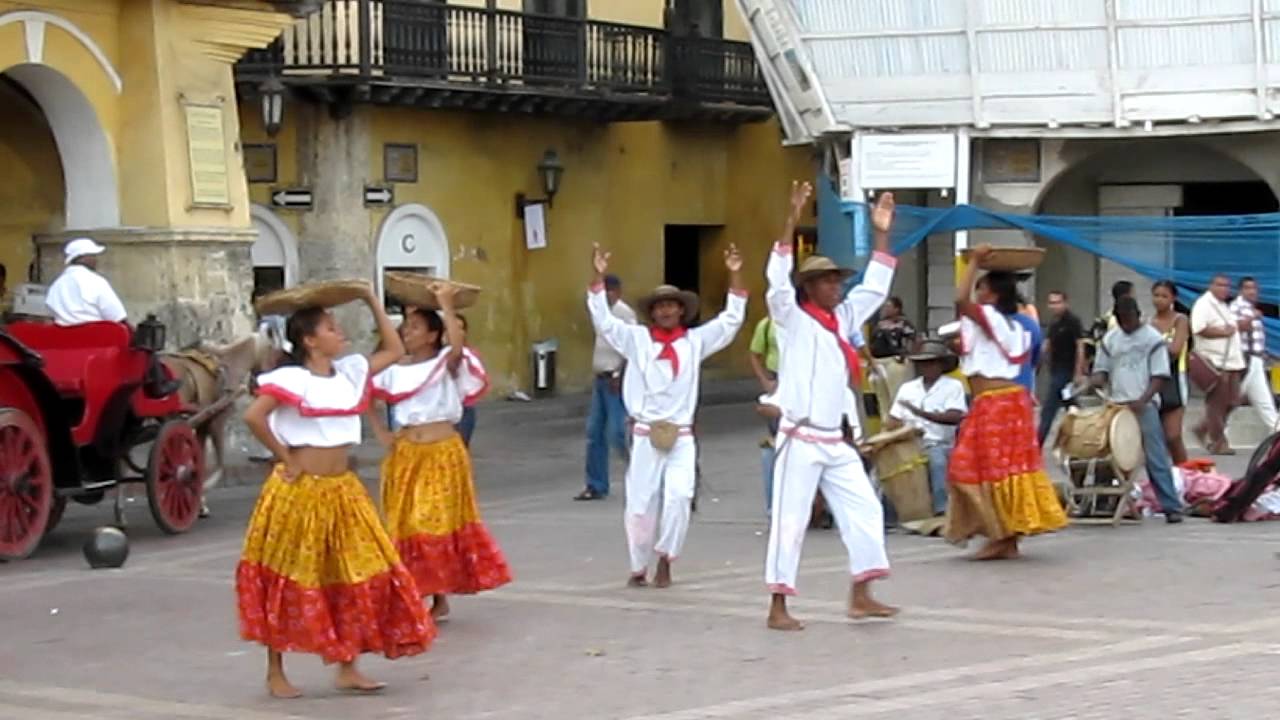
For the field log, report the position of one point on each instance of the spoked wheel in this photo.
(175, 477)
(26, 485)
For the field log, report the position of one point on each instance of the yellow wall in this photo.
(622, 183)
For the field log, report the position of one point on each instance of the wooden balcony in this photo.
(430, 54)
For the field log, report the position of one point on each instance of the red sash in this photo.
(827, 320)
(667, 337)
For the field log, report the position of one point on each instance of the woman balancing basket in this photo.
(997, 483)
(318, 573)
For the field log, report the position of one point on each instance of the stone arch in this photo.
(92, 191)
(272, 230)
(411, 236)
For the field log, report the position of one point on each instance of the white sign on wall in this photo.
(907, 161)
(535, 226)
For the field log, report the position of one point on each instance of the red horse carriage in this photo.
(73, 413)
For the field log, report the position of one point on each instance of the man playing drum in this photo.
(1133, 363)
(934, 404)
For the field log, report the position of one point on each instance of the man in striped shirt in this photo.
(1256, 386)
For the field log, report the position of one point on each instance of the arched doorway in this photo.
(32, 194)
(274, 253)
(412, 238)
(1150, 177)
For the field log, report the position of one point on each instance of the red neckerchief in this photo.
(667, 337)
(827, 320)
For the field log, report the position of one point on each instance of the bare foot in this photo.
(280, 688)
(779, 618)
(869, 608)
(1011, 551)
(637, 581)
(439, 607)
(662, 578)
(994, 550)
(352, 680)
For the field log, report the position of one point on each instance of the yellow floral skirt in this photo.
(319, 575)
(429, 500)
(997, 486)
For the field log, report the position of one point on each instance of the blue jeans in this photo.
(606, 426)
(938, 456)
(466, 427)
(1059, 380)
(1159, 464)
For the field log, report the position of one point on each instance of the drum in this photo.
(903, 470)
(1100, 432)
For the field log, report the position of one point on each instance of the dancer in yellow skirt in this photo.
(428, 496)
(318, 573)
(998, 487)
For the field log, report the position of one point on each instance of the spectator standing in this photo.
(607, 417)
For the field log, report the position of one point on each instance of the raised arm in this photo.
(781, 295)
(391, 347)
(717, 333)
(454, 335)
(619, 335)
(866, 297)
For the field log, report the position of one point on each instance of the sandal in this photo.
(588, 494)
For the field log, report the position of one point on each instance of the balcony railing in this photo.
(424, 44)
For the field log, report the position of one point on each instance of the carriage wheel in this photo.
(175, 477)
(55, 513)
(26, 485)
(1269, 446)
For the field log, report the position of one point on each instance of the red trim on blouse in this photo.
(295, 401)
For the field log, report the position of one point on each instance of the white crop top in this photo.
(425, 392)
(983, 356)
(317, 411)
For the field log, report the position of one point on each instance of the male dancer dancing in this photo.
(815, 372)
(660, 392)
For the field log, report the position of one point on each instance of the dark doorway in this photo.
(682, 256)
(554, 40)
(695, 18)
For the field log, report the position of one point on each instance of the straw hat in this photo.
(931, 350)
(687, 300)
(819, 265)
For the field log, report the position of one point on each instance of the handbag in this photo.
(663, 435)
(1202, 373)
(1171, 391)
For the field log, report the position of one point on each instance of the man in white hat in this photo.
(660, 392)
(80, 295)
(817, 368)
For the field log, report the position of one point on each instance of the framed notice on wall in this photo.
(207, 153)
(260, 162)
(400, 163)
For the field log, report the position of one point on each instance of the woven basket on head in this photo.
(328, 293)
(416, 290)
(1011, 259)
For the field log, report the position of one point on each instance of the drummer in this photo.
(934, 404)
(1133, 364)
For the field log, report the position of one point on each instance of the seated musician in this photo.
(80, 296)
(935, 404)
(1133, 362)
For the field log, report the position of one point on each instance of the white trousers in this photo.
(807, 461)
(659, 494)
(1256, 388)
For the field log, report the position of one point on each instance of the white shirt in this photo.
(946, 394)
(604, 359)
(426, 392)
(650, 391)
(982, 354)
(1223, 353)
(813, 377)
(317, 411)
(80, 295)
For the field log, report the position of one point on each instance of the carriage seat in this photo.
(77, 356)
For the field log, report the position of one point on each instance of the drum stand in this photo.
(1100, 494)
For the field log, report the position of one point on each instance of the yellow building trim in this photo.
(223, 33)
(34, 27)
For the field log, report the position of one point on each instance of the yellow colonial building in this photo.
(411, 135)
(118, 121)
(225, 147)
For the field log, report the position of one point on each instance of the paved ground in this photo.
(1151, 621)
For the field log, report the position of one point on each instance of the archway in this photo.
(274, 253)
(1154, 176)
(33, 193)
(412, 238)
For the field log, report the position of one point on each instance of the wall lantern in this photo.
(272, 96)
(550, 169)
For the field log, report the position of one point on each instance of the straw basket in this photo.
(328, 293)
(416, 290)
(1011, 259)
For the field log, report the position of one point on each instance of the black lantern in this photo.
(149, 335)
(549, 170)
(272, 96)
